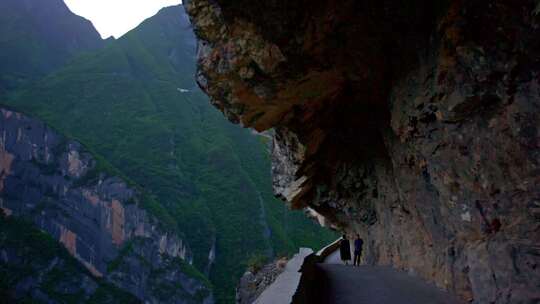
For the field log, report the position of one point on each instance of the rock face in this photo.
(255, 281)
(413, 124)
(60, 187)
(35, 268)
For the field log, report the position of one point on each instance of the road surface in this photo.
(377, 285)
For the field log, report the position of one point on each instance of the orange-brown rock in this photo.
(117, 222)
(6, 159)
(69, 239)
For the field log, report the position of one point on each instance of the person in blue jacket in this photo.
(358, 243)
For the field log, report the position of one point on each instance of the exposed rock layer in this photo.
(58, 185)
(412, 123)
(35, 268)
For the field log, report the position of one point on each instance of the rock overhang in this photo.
(392, 119)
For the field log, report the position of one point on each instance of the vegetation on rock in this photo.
(34, 262)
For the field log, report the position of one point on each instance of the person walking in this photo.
(345, 250)
(358, 243)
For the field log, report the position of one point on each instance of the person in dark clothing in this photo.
(358, 243)
(345, 250)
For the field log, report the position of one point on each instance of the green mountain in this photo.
(134, 104)
(37, 37)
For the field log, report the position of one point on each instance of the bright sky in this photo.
(116, 17)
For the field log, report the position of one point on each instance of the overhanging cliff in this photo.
(412, 123)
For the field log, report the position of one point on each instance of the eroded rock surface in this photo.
(63, 190)
(412, 123)
(255, 281)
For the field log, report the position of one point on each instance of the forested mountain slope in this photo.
(38, 36)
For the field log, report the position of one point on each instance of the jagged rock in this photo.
(254, 282)
(99, 218)
(414, 124)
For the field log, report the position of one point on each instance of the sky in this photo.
(117, 17)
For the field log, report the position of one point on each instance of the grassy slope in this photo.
(123, 103)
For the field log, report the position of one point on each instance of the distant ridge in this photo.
(38, 36)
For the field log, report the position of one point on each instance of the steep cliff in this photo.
(65, 191)
(414, 124)
(35, 268)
